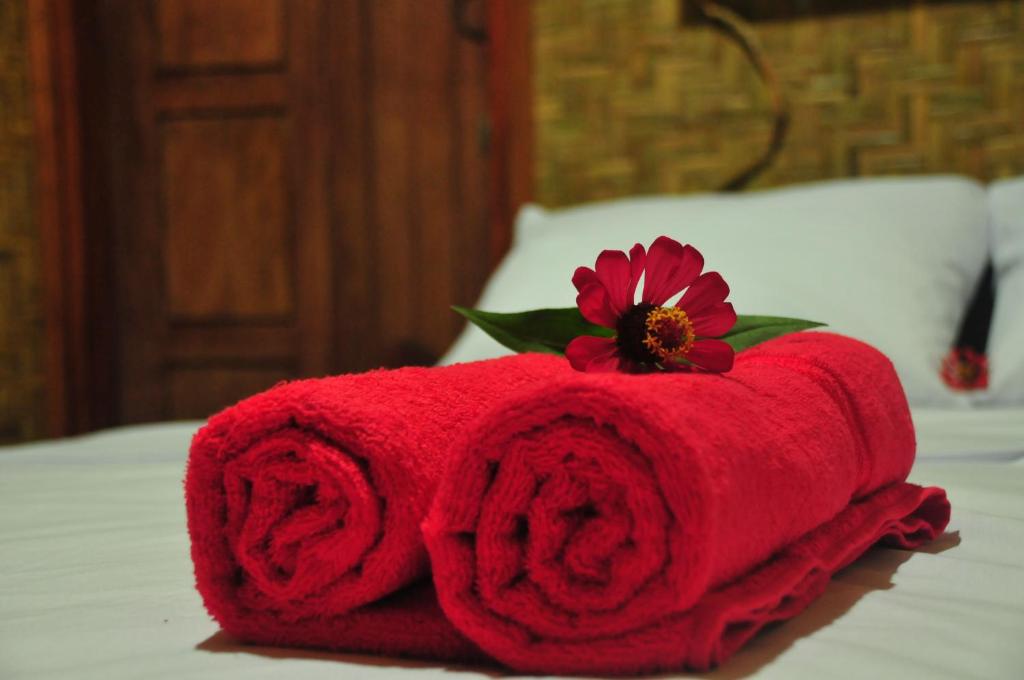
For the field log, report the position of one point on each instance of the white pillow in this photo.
(890, 261)
(1006, 340)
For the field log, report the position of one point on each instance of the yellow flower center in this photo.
(669, 332)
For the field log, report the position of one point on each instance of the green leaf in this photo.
(550, 330)
(752, 330)
(539, 330)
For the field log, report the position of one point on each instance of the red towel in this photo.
(621, 524)
(304, 504)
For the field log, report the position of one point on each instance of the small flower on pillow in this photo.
(965, 370)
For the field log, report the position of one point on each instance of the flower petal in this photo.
(637, 262)
(670, 268)
(711, 355)
(707, 291)
(593, 354)
(593, 304)
(613, 271)
(583, 277)
(714, 321)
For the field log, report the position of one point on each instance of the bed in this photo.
(95, 575)
(96, 581)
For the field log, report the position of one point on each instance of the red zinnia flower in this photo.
(965, 370)
(647, 334)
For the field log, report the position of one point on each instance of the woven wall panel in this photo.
(21, 325)
(632, 97)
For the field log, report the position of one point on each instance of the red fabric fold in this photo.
(304, 504)
(610, 523)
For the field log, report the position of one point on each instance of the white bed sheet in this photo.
(980, 434)
(96, 581)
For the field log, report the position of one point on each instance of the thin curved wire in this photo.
(736, 28)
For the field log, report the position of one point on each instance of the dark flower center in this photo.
(647, 334)
(631, 332)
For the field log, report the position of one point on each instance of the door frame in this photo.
(74, 256)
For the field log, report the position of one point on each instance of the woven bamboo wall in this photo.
(632, 97)
(21, 324)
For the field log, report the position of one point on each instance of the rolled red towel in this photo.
(622, 523)
(304, 504)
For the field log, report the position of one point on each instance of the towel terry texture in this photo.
(620, 524)
(576, 523)
(304, 504)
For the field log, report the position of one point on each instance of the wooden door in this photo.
(292, 188)
(217, 176)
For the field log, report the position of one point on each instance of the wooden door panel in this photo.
(433, 89)
(427, 107)
(471, 178)
(351, 187)
(255, 91)
(212, 107)
(225, 218)
(199, 391)
(307, 200)
(393, 132)
(220, 33)
(206, 343)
